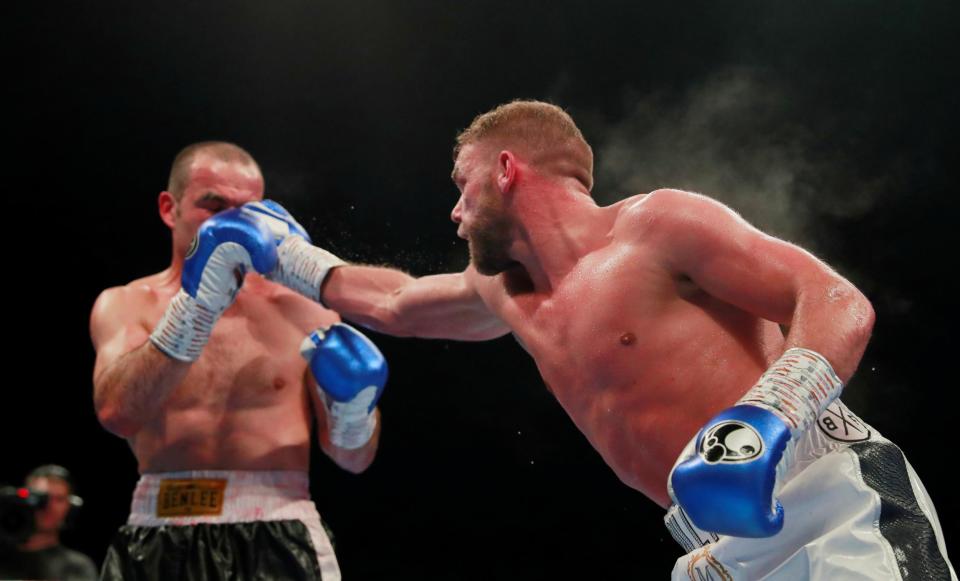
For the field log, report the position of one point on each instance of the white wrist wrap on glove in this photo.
(349, 423)
(184, 329)
(303, 267)
(798, 387)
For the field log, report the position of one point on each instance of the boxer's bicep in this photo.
(731, 260)
(115, 329)
(748, 270)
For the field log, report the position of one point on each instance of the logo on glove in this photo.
(194, 244)
(730, 442)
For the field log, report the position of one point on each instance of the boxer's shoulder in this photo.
(665, 211)
(119, 307)
(655, 206)
(136, 294)
(636, 214)
(296, 308)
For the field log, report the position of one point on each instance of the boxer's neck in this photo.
(175, 270)
(555, 228)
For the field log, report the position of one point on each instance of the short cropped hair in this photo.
(50, 471)
(543, 129)
(222, 150)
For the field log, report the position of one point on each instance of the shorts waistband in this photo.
(219, 496)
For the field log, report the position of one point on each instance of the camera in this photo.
(18, 505)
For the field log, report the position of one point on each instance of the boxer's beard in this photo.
(490, 242)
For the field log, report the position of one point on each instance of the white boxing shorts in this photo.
(854, 509)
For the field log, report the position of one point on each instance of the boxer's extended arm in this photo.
(131, 377)
(733, 261)
(443, 306)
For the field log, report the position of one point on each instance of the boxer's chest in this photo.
(251, 360)
(621, 328)
(598, 322)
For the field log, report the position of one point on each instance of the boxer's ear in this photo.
(167, 205)
(506, 171)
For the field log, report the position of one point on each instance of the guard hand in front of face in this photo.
(728, 484)
(226, 247)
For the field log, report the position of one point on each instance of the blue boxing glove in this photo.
(301, 266)
(226, 247)
(277, 218)
(727, 486)
(728, 480)
(351, 373)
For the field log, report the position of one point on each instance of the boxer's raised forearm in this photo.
(134, 387)
(357, 460)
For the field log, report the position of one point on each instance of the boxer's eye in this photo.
(212, 202)
(213, 208)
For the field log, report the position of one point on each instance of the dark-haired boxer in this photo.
(656, 323)
(199, 368)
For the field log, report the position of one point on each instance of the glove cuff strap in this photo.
(797, 388)
(303, 267)
(184, 329)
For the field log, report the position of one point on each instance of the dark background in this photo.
(829, 124)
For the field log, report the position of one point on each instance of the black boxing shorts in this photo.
(222, 525)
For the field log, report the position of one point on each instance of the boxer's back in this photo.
(637, 355)
(242, 405)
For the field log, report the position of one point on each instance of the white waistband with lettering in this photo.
(220, 496)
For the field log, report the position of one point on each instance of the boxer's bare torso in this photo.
(645, 318)
(243, 404)
(637, 354)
